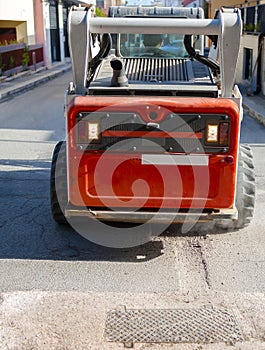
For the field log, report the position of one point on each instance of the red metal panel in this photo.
(98, 179)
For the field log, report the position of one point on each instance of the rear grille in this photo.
(156, 70)
(149, 76)
(176, 133)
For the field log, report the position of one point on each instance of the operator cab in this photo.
(151, 45)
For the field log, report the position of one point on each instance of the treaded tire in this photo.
(245, 191)
(58, 183)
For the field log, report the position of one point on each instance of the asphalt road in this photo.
(49, 266)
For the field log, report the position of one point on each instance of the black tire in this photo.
(245, 191)
(58, 183)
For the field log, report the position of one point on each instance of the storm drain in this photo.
(200, 325)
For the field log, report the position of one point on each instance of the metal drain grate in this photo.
(200, 325)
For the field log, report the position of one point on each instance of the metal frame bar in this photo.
(154, 25)
(82, 23)
(154, 217)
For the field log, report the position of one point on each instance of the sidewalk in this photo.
(27, 80)
(255, 104)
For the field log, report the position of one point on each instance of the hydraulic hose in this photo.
(205, 60)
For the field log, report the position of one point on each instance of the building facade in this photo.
(193, 3)
(37, 22)
(17, 21)
(251, 64)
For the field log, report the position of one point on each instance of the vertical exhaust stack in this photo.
(119, 77)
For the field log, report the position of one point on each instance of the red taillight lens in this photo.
(82, 132)
(223, 133)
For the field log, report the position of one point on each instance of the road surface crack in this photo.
(196, 244)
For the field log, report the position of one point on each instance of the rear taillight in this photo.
(212, 133)
(82, 132)
(217, 134)
(223, 133)
(93, 131)
(87, 132)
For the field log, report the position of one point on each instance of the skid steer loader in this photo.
(153, 129)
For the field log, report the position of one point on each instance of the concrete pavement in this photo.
(40, 320)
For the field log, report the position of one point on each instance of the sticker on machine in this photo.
(176, 159)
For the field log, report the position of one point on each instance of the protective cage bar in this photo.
(82, 23)
(154, 26)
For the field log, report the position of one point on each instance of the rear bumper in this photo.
(153, 217)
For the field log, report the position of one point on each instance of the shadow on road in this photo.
(28, 230)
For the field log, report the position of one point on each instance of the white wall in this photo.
(46, 16)
(263, 67)
(22, 11)
(62, 38)
(249, 42)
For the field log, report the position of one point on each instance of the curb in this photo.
(254, 114)
(29, 85)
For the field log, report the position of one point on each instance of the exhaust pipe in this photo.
(119, 78)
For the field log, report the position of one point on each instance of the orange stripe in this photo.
(152, 134)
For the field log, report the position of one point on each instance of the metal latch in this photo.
(153, 125)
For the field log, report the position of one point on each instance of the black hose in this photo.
(105, 46)
(205, 60)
